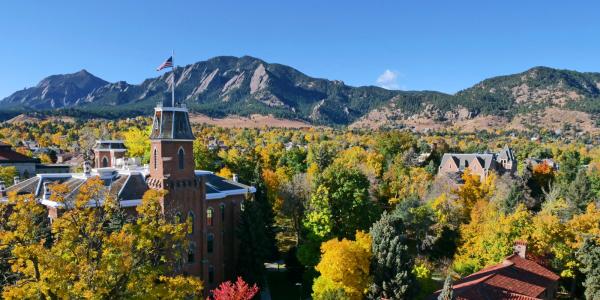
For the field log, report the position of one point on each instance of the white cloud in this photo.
(389, 80)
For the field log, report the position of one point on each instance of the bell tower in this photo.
(172, 169)
(171, 144)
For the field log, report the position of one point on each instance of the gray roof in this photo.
(128, 186)
(134, 187)
(463, 159)
(28, 186)
(171, 123)
(110, 145)
(506, 153)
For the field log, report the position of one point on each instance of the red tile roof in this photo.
(515, 278)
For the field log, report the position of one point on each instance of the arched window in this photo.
(180, 155)
(105, 162)
(155, 159)
(192, 221)
(210, 241)
(209, 216)
(211, 274)
(191, 253)
(177, 219)
(222, 207)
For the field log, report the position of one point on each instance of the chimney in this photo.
(235, 177)
(16, 179)
(46, 191)
(520, 248)
(2, 189)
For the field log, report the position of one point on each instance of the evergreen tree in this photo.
(569, 165)
(447, 292)
(589, 256)
(391, 265)
(254, 250)
(579, 193)
(266, 212)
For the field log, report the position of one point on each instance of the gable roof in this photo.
(514, 278)
(463, 159)
(506, 153)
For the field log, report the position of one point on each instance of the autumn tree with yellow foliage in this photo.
(472, 190)
(344, 268)
(84, 257)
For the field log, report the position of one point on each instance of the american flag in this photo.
(167, 64)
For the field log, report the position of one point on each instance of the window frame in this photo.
(210, 243)
(210, 216)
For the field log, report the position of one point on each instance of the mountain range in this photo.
(244, 86)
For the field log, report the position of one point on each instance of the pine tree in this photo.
(589, 256)
(447, 292)
(266, 212)
(579, 193)
(254, 249)
(391, 265)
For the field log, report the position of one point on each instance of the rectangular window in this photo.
(210, 243)
(211, 274)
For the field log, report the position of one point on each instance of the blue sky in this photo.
(433, 45)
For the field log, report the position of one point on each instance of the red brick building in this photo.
(211, 202)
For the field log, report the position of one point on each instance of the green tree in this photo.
(255, 244)
(391, 264)
(204, 158)
(589, 256)
(321, 154)
(346, 195)
(391, 143)
(7, 174)
(569, 166)
(418, 221)
(295, 159)
(579, 193)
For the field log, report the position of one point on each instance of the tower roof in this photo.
(110, 145)
(171, 123)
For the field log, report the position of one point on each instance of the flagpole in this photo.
(173, 78)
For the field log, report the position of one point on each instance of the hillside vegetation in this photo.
(245, 86)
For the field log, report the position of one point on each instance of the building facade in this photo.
(212, 204)
(479, 163)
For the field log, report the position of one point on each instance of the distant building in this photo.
(515, 278)
(25, 165)
(107, 152)
(479, 163)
